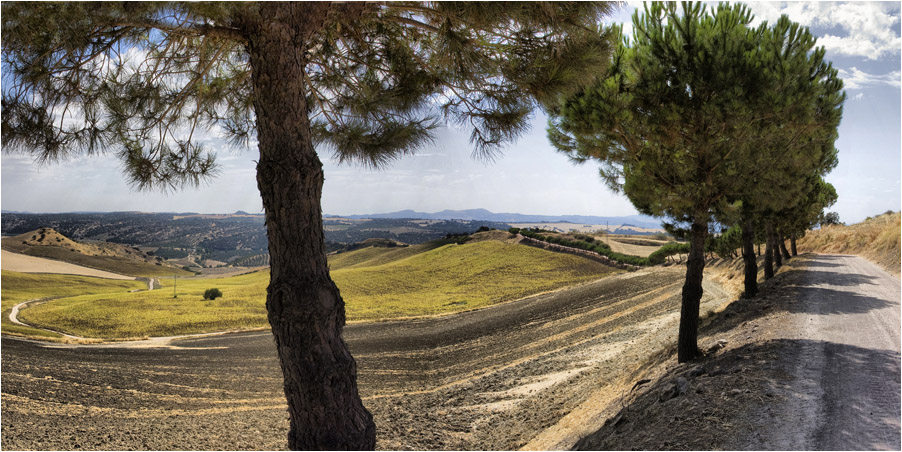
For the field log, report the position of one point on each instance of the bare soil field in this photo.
(536, 372)
(30, 264)
(619, 246)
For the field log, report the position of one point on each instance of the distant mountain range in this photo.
(643, 221)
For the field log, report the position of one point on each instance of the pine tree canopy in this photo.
(699, 111)
(139, 79)
(702, 117)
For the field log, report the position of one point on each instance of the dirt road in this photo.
(496, 378)
(845, 327)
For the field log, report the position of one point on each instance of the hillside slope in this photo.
(876, 239)
(19, 287)
(112, 257)
(376, 284)
(456, 277)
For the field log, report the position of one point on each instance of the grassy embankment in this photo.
(19, 287)
(876, 239)
(376, 283)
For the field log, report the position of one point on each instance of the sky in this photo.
(862, 40)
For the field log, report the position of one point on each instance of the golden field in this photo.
(376, 284)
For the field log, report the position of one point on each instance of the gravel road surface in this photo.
(489, 379)
(845, 326)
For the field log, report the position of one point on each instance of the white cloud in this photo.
(858, 96)
(858, 79)
(868, 28)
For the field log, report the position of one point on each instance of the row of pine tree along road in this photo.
(697, 117)
(702, 118)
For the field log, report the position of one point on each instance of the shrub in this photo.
(668, 249)
(212, 294)
(514, 230)
(584, 238)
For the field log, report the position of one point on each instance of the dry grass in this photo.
(620, 245)
(19, 287)
(112, 257)
(876, 239)
(30, 264)
(376, 283)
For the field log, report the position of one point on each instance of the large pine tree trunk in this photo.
(769, 252)
(687, 343)
(748, 258)
(792, 244)
(305, 309)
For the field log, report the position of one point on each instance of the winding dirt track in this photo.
(496, 378)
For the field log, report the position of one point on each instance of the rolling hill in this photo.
(377, 283)
(876, 239)
(112, 257)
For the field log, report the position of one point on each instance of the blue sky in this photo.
(862, 39)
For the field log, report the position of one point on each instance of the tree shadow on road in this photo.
(750, 398)
(839, 279)
(831, 302)
(821, 264)
(791, 292)
(863, 407)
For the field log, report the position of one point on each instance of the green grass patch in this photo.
(453, 278)
(157, 313)
(19, 287)
(375, 256)
(376, 284)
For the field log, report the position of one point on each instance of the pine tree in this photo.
(795, 148)
(370, 81)
(668, 122)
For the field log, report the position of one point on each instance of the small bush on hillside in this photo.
(212, 294)
(514, 230)
(668, 249)
(660, 236)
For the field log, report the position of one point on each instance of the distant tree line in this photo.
(589, 243)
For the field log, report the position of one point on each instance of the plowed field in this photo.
(495, 378)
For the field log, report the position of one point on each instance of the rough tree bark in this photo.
(783, 249)
(778, 258)
(769, 252)
(748, 258)
(687, 344)
(304, 306)
(792, 244)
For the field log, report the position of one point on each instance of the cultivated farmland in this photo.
(376, 283)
